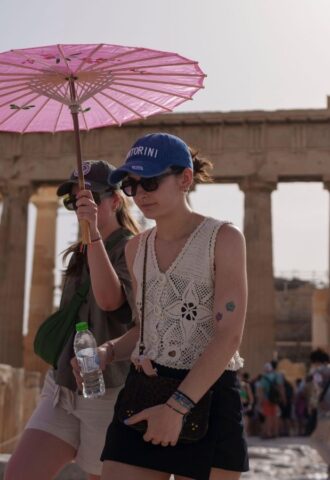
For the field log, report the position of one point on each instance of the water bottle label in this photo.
(88, 360)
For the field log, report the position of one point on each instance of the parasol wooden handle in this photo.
(75, 109)
(85, 232)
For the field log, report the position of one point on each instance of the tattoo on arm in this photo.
(230, 306)
(218, 317)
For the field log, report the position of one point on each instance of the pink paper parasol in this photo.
(79, 87)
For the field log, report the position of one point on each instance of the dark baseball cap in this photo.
(97, 175)
(153, 154)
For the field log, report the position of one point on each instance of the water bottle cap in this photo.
(81, 326)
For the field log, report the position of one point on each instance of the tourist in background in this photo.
(270, 393)
(320, 371)
(247, 399)
(300, 406)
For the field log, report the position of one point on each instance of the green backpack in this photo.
(55, 331)
(274, 395)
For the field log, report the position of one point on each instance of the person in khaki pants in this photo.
(65, 426)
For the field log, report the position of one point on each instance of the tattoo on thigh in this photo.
(230, 306)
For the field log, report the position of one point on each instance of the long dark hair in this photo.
(201, 167)
(125, 220)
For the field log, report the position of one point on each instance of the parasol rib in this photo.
(122, 104)
(91, 89)
(108, 112)
(53, 92)
(84, 119)
(58, 117)
(59, 48)
(34, 116)
(61, 109)
(111, 59)
(13, 100)
(89, 56)
(24, 76)
(130, 62)
(40, 62)
(15, 111)
(157, 81)
(157, 74)
(14, 85)
(159, 65)
(25, 67)
(149, 89)
(24, 89)
(140, 98)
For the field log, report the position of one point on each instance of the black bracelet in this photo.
(188, 398)
(175, 409)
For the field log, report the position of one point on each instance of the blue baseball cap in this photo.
(152, 155)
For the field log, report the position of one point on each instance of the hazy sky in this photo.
(258, 54)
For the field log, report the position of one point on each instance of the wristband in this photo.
(183, 400)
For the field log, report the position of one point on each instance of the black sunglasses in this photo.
(149, 184)
(70, 200)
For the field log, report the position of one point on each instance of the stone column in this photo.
(326, 184)
(42, 284)
(13, 239)
(259, 337)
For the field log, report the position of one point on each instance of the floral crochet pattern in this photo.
(179, 319)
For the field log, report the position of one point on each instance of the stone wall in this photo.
(293, 319)
(19, 392)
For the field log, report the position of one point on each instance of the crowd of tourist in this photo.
(274, 406)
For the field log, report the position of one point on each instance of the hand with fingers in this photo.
(87, 210)
(164, 424)
(106, 355)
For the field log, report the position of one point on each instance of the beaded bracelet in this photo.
(183, 400)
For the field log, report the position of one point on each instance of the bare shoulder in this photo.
(228, 234)
(132, 247)
(230, 240)
(230, 253)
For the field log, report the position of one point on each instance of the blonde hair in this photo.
(124, 217)
(125, 220)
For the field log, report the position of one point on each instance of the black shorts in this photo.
(224, 445)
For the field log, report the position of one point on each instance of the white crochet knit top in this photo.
(179, 319)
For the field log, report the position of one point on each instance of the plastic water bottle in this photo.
(85, 349)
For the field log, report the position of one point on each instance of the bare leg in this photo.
(219, 474)
(119, 471)
(38, 456)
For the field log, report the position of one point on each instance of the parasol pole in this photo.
(75, 108)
